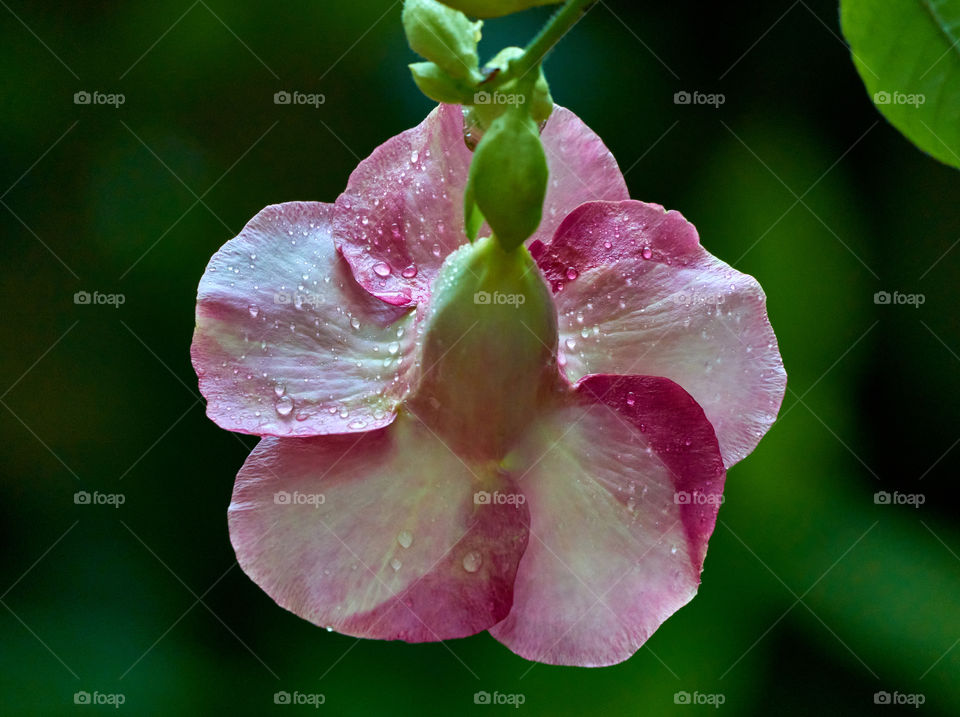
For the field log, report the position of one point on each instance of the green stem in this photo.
(550, 35)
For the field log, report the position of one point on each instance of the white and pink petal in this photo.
(637, 293)
(286, 342)
(623, 488)
(379, 535)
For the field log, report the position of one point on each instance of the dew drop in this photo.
(393, 347)
(409, 272)
(472, 561)
(254, 311)
(280, 389)
(436, 250)
(355, 322)
(414, 157)
(381, 269)
(284, 406)
(572, 273)
(405, 538)
(395, 564)
(646, 253)
(630, 399)
(570, 344)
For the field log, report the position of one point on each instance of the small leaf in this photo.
(444, 36)
(908, 55)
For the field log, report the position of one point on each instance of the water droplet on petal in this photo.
(355, 322)
(630, 399)
(414, 157)
(280, 389)
(646, 253)
(254, 311)
(472, 561)
(395, 564)
(570, 344)
(405, 538)
(436, 250)
(381, 269)
(393, 348)
(572, 273)
(284, 406)
(409, 272)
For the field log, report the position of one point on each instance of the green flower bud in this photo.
(444, 36)
(495, 8)
(508, 177)
(439, 86)
(489, 349)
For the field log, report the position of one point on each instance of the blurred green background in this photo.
(814, 597)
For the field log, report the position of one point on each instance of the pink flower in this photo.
(442, 456)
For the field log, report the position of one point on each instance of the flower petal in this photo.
(582, 169)
(402, 210)
(623, 495)
(286, 342)
(637, 293)
(379, 535)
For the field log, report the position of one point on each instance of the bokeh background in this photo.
(814, 596)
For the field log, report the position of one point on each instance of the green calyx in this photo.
(490, 344)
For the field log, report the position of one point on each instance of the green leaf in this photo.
(495, 8)
(444, 36)
(508, 178)
(908, 54)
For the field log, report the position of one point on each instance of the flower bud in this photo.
(444, 36)
(489, 348)
(508, 178)
(439, 86)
